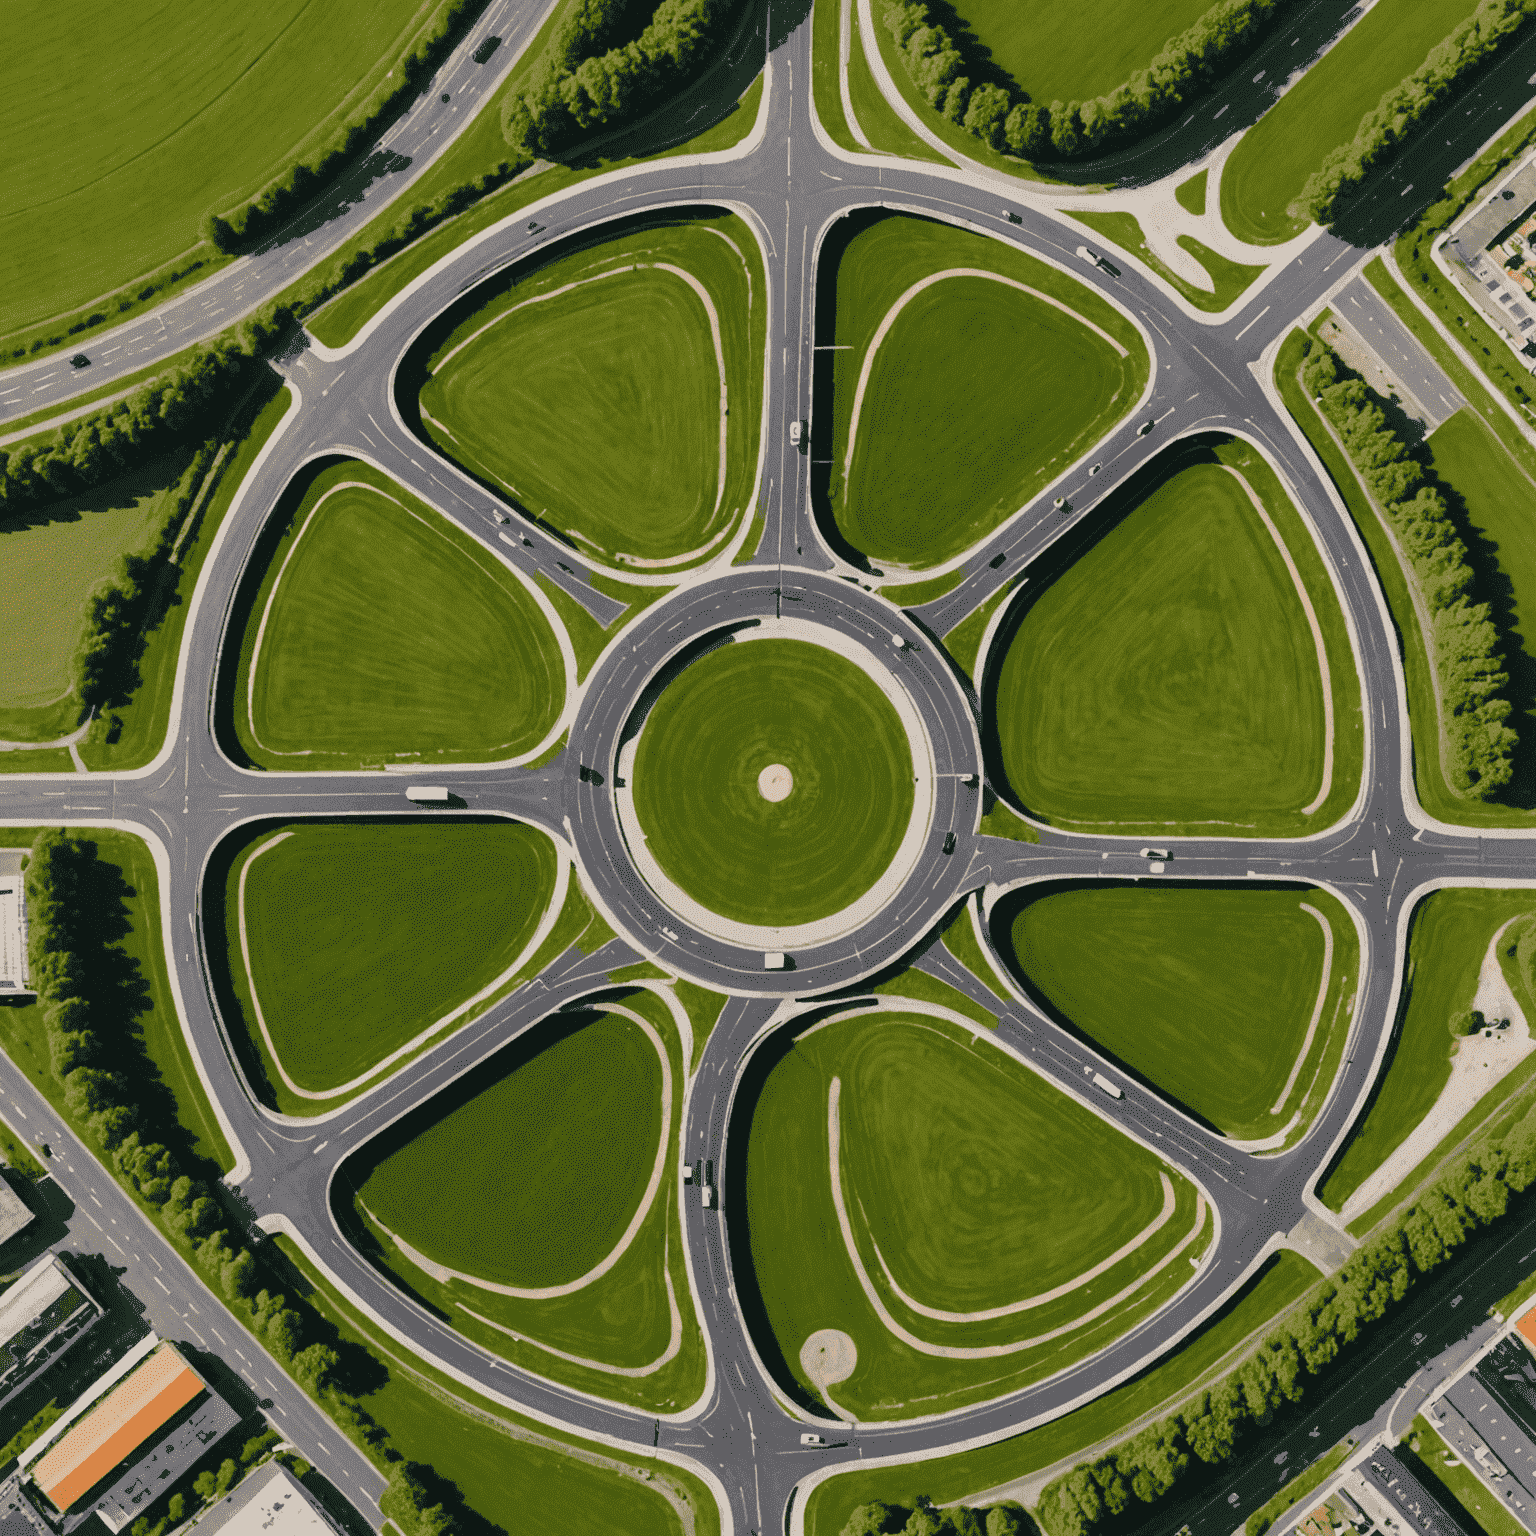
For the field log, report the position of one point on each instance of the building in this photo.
(14, 1214)
(136, 1431)
(1399, 1491)
(1488, 253)
(270, 1502)
(13, 925)
(41, 1315)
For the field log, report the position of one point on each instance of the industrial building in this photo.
(41, 1315)
(13, 925)
(270, 1502)
(14, 1215)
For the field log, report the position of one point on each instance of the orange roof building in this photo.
(1526, 1328)
(117, 1426)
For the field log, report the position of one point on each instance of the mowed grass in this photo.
(997, 1188)
(739, 710)
(1446, 946)
(363, 936)
(533, 1180)
(386, 632)
(122, 131)
(1265, 175)
(939, 458)
(1168, 676)
(593, 392)
(57, 557)
(1206, 993)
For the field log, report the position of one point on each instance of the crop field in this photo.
(363, 935)
(1210, 993)
(465, 668)
(1446, 947)
(1169, 676)
(531, 1176)
(937, 463)
(1267, 171)
(730, 715)
(525, 391)
(205, 105)
(57, 560)
(1001, 1190)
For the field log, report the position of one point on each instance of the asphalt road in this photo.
(1370, 314)
(790, 186)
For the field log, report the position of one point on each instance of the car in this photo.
(1093, 469)
(796, 433)
(996, 561)
(949, 842)
(445, 98)
(1156, 853)
(1088, 254)
(486, 49)
(1012, 217)
(1144, 428)
(812, 1440)
(1060, 504)
(79, 360)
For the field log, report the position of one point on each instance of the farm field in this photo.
(58, 556)
(1267, 171)
(949, 1210)
(992, 1467)
(616, 332)
(467, 668)
(548, 1170)
(937, 463)
(361, 936)
(198, 117)
(1211, 994)
(1446, 946)
(1168, 676)
(725, 719)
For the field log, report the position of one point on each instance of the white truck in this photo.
(1114, 1090)
(427, 794)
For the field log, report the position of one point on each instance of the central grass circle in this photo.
(748, 707)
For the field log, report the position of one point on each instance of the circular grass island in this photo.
(773, 782)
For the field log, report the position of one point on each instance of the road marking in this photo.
(1249, 326)
(325, 1143)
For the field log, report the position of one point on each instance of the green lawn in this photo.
(363, 936)
(57, 561)
(1460, 1482)
(734, 713)
(1169, 678)
(1190, 194)
(938, 463)
(1446, 945)
(544, 1161)
(391, 634)
(205, 105)
(1208, 993)
(1267, 171)
(1000, 1189)
(1229, 279)
(515, 1474)
(609, 334)
(960, 1477)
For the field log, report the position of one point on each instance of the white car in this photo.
(796, 432)
(1089, 255)
(812, 1440)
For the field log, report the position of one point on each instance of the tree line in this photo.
(90, 995)
(1396, 117)
(1002, 115)
(1205, 1432)
(284, 196)
(1463, 640)
(576, 87)
(926, 1519)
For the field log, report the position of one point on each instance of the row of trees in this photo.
(208, 1487)
(1002, 115)
(1463, 640)
(1396, 117)
(925, 1519)
(281, 198)
(1472, 1194)
(576, 88)
(88, 989)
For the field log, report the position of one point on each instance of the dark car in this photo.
(486, 49)
(79, 360)
(949, 842)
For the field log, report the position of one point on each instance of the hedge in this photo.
(284, 196)
(1004, 118)
(1463, 640)
(1396, 117)
(1474, 1193)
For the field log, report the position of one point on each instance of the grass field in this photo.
(362, 936)
(1460, 1483)
(954, 1478)
(1446, 945)
(1267, 171)
(465, 669)
(1168, 676)
(1208, 993)
(206, 105)
(524, 391)
(729, 716)
(513, 1473)
(57, 561)
(938, 462)
(1000, 1189)
(591, 1084)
